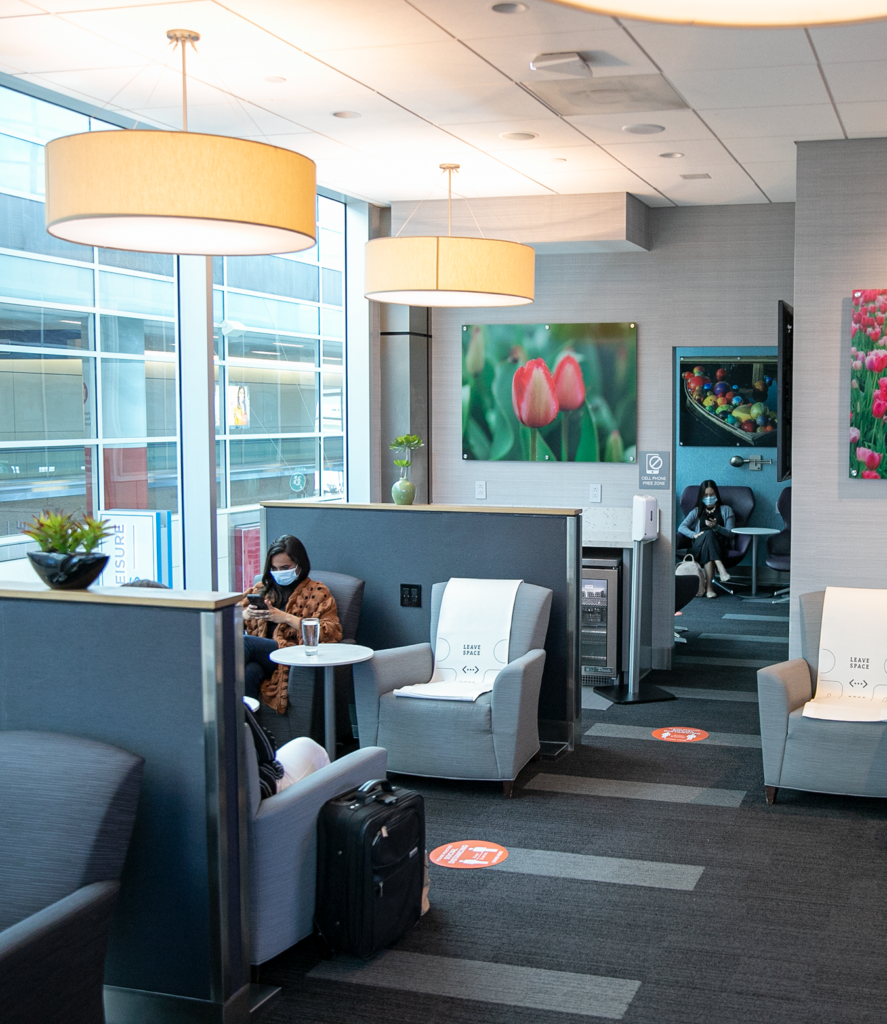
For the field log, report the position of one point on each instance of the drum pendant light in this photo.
(446, 271)
(179, 192)
(738, 13)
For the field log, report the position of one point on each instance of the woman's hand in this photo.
(275, 615)
(695, 535)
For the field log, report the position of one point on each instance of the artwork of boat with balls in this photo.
(729, 403)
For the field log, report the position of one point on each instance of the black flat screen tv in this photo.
(785, 331)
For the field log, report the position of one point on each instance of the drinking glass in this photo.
(310, 635)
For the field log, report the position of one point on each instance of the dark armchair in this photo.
(779, 546)
(742, 501)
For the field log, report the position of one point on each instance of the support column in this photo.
(197, 424)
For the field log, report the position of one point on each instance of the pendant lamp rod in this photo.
(184, 36)
(449, 168)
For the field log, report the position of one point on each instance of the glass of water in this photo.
(310, 635)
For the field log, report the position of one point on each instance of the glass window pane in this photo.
(23, 226)
(280, 348)
(21, 166)
(332, 248)
(332, 286)
(45, 282)
(135, 337)
(141, 476)
(331, 213)
(36, 119)
(270, 401)
(272, 469)
(333, 473)
(38, 327)
(333, 321)
(331, 403)
(138, 398)
(333, 352)
(218, 269)
(146, 262)
(33, 479)
(220, 476)
(136, 294)
(272, 314)
(46, 397)
(274, 276)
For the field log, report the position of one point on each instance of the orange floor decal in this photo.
(680, 734)
(469, 853)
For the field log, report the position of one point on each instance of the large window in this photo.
(89, 394)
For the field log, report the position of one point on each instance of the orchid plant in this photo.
(406, 443)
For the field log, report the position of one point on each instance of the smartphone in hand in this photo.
(257, 601)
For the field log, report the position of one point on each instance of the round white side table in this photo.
(754, 532)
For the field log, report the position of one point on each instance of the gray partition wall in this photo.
(155, 672)
(388, 545)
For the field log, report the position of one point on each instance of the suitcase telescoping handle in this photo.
(372, 789)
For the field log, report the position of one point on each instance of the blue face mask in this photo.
(709, 500)
(284, 577)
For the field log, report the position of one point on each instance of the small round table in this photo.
(754, 532)
(328, 657)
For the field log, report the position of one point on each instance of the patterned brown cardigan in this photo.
(310, 599)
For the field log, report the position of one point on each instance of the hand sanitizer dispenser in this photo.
(644, 518)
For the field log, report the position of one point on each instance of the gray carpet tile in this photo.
(639, 732)
(700, 658)
(621, 790)
(699, 693)
(615, 870)
(755, 618)
(745, 638)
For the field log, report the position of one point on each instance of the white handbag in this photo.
(690, 567)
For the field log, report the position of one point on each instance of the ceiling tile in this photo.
(468, 19)
(686, 48)
(766, 150)
(587, 182)
(813, 120)
(857, 83)
(310, 144)
(850, 43)
(550, 131)
(764, 87)
(777, 179)
(43, 43)
(611, 52)
(864, 120)
(316, 113)
(678, 124)
(699, 155)
(727, 186)
(563, 160)
(463, 105)
(17, 8)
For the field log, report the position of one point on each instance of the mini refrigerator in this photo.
(599, 617)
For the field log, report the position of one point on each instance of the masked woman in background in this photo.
(290, 596)
(709, 527)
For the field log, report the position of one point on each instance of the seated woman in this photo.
(709, 526)
(290, 596)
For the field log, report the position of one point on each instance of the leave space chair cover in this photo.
(811, 754)
(67, 807)
(282, 835)
(304, 714)
(741, 500)
(490, 738)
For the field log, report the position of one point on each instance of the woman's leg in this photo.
(257, 665)
(709, 568)
(706, 550)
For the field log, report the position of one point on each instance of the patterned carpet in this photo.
(649, 881)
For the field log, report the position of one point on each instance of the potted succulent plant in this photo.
(66, 559)
(404, 490)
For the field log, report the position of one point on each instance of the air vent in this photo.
(695, 177)
(611, 95)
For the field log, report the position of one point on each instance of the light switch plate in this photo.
(594, 493)
(480, 488)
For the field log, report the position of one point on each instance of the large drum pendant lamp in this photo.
(738, 13)
(421, 270)
(179, 192)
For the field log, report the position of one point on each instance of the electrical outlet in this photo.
(594, 493)
(410, 595)
(480, 488)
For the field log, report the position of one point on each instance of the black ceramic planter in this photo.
(67, 572)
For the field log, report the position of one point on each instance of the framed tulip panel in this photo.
(549, 392)
(868, 384)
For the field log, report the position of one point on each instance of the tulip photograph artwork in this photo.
(868, 384)
(549, 392)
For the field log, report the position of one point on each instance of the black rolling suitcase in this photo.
(370, 867)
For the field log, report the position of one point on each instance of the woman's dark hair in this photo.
(703, 511)
(285, 545)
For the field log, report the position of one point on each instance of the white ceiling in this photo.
(439, 81)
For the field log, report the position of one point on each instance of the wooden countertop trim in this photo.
(499, 509)
(153, 597)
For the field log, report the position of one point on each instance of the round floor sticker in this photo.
(680, 734)
(469, 853)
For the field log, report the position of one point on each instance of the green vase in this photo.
(404, 490)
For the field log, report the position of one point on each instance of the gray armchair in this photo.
(67, 807)
(304, 714)
(282, 835)
(810, 754)
(490, 738)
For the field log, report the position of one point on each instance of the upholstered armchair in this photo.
(812, 754)
(490, 738)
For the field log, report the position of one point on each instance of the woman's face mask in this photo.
(709, 500)
(284, 577)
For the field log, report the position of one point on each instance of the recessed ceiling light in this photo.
(509, 8)
(518, 136)
(671, 156)
(345, 113)
(643, 129)
(275, 79)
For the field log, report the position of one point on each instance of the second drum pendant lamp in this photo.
(179, 192)
(427, 270)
